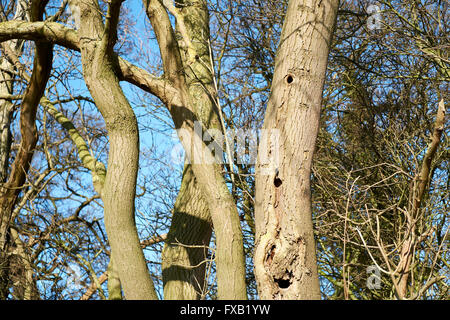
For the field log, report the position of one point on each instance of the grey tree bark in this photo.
(118, 193)
(229, 254)
(285, 258)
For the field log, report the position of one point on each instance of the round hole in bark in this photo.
(289, 78)
(285, 280)
(277, 182)
(283, 283)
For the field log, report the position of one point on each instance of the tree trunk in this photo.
(191, 222)
(9, 191)
(119, 189)
(285, 258)
(229, 253)
(186, 248)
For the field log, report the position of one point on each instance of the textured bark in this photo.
(229, 254)
(5, 119)
(285, 258)
(114, 286)
(118, 194)
(6, 88)
(185, 252)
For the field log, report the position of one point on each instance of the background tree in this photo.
(375, 161)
